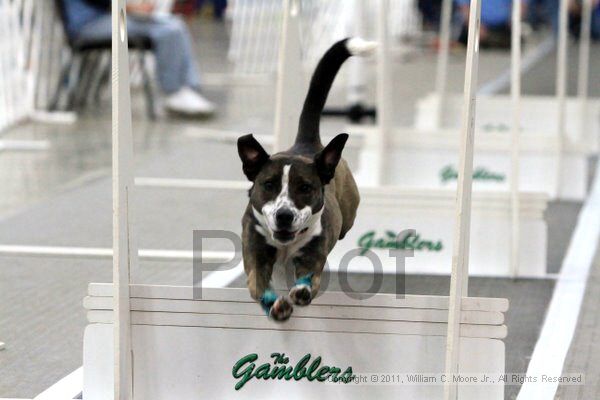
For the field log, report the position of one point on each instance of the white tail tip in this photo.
(360, 47)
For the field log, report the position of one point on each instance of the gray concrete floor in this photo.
(584, 353)
(62, 197)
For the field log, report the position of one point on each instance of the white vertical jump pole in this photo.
(561, 87)
(122, 166)
(442, 61)
(384, 92)
(459, 281)
(515, 93)
(290, 78)
(6, 97)
(584, 66)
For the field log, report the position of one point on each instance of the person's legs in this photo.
(176, 69)
(596, 24)
(574, 25)
(175, 64)
(97, 30)
(552, 9)
(430, 11)
(499, 37)
(463, 37)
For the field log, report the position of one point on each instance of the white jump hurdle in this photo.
(166, 343)
(181, 330)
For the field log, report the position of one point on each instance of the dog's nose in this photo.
(284, 218)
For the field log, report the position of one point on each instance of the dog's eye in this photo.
(268, 185)
(305, 188)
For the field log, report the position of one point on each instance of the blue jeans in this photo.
(596, 23)
(172, 45)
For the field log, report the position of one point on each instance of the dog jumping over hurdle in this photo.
(302, 201)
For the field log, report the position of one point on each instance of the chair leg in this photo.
(101, 58)
(75, 74)
(62, 84)
(103, 81)
(148, 92)
(83, 82)
(98, 76)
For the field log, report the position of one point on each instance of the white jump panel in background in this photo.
(431, 216)
(430, 213)
(537, 115)
(427, 159)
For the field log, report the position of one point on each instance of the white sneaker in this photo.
(189, 102)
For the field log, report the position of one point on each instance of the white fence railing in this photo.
(15, 82)
(30, 46)
(32, 52)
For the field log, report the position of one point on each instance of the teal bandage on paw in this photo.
(305, 280)
(267, 300)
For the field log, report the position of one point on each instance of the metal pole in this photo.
(384, 92)
(459, 280)
(290, 78)
(515, 92)
(124, 252)
(584, 66)
(442, 61)
(561, 88)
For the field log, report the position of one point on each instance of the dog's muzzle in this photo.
(284, 218)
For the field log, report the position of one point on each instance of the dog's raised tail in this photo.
(320, 84)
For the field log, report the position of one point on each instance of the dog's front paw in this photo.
(301, 295)
(281, 309)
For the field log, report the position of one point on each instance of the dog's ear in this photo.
(252, 154)
(327, 159)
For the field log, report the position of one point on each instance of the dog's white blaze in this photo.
(284, 201)
(304, 220)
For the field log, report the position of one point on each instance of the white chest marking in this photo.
(285, 254)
